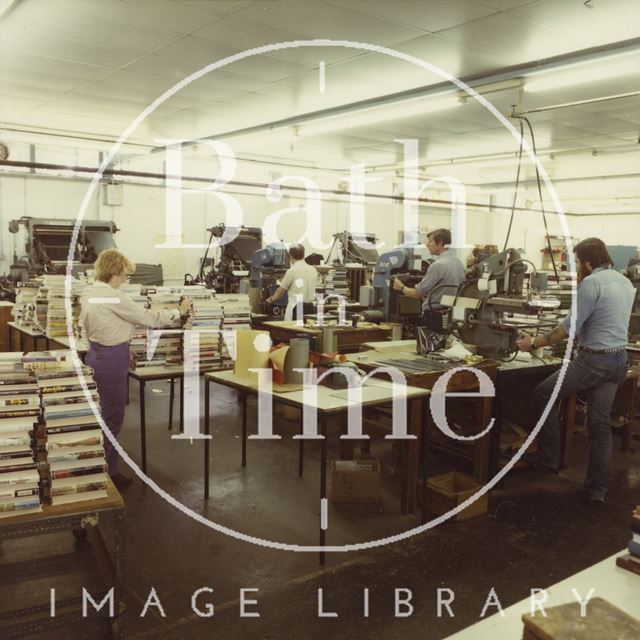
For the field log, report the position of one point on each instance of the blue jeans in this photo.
(597, 376)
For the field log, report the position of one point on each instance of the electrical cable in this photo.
(544, 215)
(516, 262)
(439, 286)
(515, 192)
(533, 355)
(514, 356)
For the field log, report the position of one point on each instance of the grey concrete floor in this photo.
(535, 533)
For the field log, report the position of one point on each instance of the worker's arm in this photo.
(279, 292)
(410, 292)
(557, 334)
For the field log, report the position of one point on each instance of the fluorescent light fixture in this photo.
(583, 72)
(373, 115)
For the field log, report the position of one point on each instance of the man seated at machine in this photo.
(442, 277)
(299, 282)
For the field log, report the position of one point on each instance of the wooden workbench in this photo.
(348, 338)
(462, 381)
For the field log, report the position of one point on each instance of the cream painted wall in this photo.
(141, 219)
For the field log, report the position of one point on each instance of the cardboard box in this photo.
(447, 491)
(355, 481)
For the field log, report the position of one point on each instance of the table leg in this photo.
(301, 447)
(181, 404)
(569, 421)
(171, 396)
(411, 477)
(243, 398)
(119, 552)
(206, 442)
(494, 445)
(143, 428)
(323, 479)
(424, 422)
(482, 447)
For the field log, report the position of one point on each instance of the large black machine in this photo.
(237, 246)
(267, 268)
(481, 312)
(357, 254)
(407, 265)
(47, 243)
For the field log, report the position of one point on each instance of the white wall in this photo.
(141, 219)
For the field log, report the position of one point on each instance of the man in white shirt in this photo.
(299, 283)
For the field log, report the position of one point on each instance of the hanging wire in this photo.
(544, 215)
(515, 192)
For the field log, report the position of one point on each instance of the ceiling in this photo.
(90, 68)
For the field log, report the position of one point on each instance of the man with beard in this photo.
(604, 302)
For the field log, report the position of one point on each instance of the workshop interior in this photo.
(373, 328)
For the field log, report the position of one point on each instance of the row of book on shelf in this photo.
(51, 444)
(40, 305)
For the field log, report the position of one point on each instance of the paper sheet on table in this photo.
(457, 350)
(247, 356)
(277, 358)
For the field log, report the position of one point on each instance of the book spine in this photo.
(74, 473)
(9, 493)
(12, 506)
(70, 387)
(634, 548)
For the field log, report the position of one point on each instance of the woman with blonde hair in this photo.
(110, 317)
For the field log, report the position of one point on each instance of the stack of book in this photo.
(151, 348)
(631, 561)
(24, 310)
(336, 282)
(53, 288)
(196, 292)
(19, 411)
(138, 342)
(236, 310)
(236, 316)
(75, 459)
(42, 305)
(205, 318)
(79, 290)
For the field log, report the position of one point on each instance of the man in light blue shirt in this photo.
(604, 303)
(442, 277)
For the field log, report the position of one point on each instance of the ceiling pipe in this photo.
(578, 103)
(124, 173)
